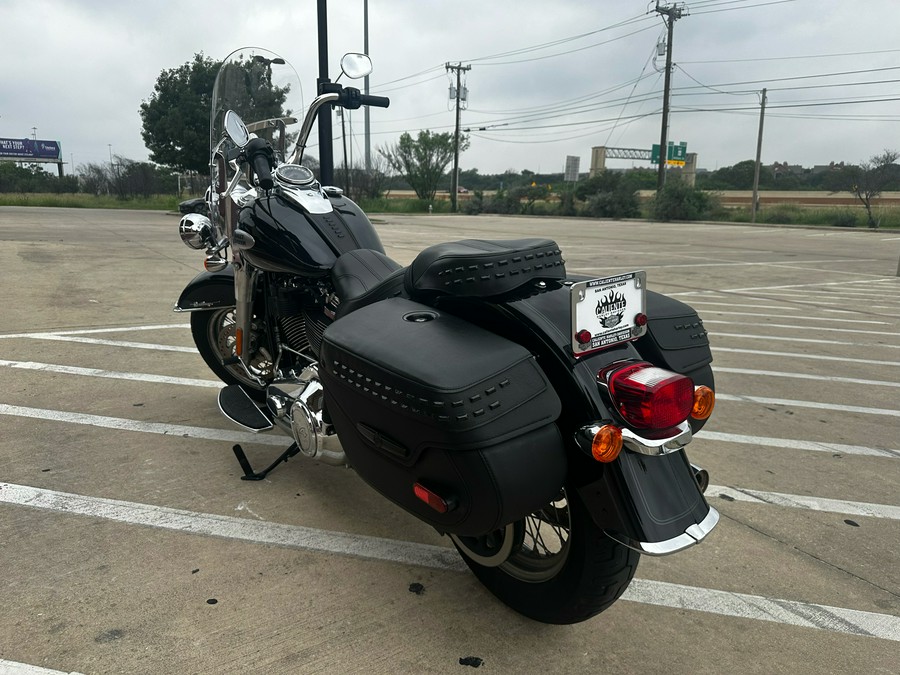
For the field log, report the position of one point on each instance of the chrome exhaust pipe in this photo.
(701, 476)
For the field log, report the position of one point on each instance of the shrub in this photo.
(609, 195)
(680, 201)
(844, 218)
(783, 214)
(620, 204)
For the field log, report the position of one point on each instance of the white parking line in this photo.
(805, 376)
(789, 612)
(746, 336)
(810, 285)
(784, 306)
(89, 331)
(15, 668)
(174, 430)
(799, 326)
(797, 317)
(803, 502)
(726, 603)
(230, 527)
(111, 374)
(793, 403)
(793, 444)
(797, 355)
(108, 343)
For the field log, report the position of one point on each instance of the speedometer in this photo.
(294, 175)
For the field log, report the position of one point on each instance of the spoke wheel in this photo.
(545, 545)
(555, 565)
(214, 335)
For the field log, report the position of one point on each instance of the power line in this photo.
(571, 51)
(731, 9)
(531, 48)
(631, 93)
(796, 105)
(796, 77)
(790, 58)
(554, 43)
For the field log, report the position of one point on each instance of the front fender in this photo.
(208, 290)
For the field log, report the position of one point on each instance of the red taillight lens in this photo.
(648, 397)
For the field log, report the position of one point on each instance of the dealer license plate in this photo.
(608, 311)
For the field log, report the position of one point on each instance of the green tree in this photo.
(175, 119)
(870, 178)
(422, 161)
(736, 177)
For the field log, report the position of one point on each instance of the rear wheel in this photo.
(214, 335)
(555, 565)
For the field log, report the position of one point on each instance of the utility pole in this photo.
(762, 115)
(454, 177)
(670, 15)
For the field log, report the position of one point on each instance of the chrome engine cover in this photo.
(296, 405)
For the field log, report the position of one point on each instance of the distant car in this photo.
(461, 190)
(195, 205)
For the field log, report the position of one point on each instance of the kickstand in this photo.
(250, 474)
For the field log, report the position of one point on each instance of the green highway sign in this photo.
(676, 154)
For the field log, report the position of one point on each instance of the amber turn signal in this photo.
(607, 443)
(704, 402)
(239, 342)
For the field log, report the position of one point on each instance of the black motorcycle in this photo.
(537, 419)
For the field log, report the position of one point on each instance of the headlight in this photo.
(196, 231)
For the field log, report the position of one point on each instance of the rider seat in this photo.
(364, 276)
(477, 268)
(470, 268)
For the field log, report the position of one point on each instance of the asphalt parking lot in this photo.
(128, 544)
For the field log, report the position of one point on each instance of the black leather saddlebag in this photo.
(419, 396)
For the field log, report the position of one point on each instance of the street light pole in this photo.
(326, 150)
(366, 86)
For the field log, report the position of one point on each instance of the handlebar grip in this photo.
(263, 171)
(377, 101)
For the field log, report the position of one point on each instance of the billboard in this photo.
(572, 164)
(27, 149)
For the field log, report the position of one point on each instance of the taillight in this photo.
(648, 397)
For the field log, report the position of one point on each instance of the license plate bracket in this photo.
(608, 311)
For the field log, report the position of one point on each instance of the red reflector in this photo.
(648, 397)
(433, 499)
(583, 337)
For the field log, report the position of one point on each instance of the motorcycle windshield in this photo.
(260, 86)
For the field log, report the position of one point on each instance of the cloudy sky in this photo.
(548, 78)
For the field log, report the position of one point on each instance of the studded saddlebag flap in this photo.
(419, 396)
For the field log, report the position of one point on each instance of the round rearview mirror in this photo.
(236, 129)
(356, 66)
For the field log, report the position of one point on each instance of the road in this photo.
(129, 544)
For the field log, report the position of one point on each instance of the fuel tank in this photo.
(290, 239)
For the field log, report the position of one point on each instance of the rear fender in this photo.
(652, 504)
(208, 290)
